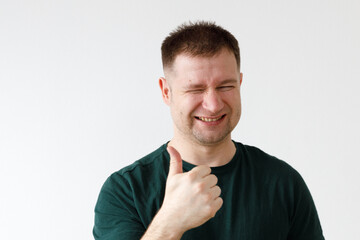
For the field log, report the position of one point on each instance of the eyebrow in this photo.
(227, 81)
(200, 85)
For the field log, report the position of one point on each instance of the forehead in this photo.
(219, 67)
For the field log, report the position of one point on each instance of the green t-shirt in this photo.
(264, 198)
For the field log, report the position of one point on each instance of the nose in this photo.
(212, 101)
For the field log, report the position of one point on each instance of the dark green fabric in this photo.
(264, 198)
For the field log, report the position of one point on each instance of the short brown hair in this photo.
(198, 39)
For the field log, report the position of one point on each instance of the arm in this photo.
(115, 214)
(305, 223)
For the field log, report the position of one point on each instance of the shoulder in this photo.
(151, 160)
(274, 174)
(261, 158)
(266, 164)
(130, 197)
(155, 164)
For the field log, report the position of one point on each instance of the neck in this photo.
(213, 155)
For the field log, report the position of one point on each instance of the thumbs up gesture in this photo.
(191, 198)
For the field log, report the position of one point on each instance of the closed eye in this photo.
(225, 88)
(196, 90)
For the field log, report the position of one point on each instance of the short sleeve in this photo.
(116, 217)
(305, 223)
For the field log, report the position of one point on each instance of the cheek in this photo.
(194, 98)
(231, 98)
(190, 102)
(182, 107)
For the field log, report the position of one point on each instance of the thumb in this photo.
(175, 161)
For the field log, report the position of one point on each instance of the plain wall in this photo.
(79, 99)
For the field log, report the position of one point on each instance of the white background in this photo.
(79, 99)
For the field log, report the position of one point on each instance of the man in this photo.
(201, 184)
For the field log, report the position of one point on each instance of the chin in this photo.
(211, 140)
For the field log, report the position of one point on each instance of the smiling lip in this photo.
(209, 119)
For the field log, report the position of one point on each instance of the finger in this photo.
(201, 171)
(218, 202)
(175, 161)
(210, 180)
(215, 192)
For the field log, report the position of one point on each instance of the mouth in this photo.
(209, 119)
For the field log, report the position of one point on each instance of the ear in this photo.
(165, 90)
(241, 78)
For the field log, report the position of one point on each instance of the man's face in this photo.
(204, 97)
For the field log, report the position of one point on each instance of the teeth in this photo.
(209, 119)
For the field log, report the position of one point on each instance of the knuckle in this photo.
(211, 212)
(218, 191)
(207, 169)
(208, 210)
(216, 179)
(200, 187)
(208, 197)
(192, 175)
(204, 169)
(220, 202)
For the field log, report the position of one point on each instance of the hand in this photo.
(191, 198)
